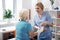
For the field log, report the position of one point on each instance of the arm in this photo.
(30, 31)
(48, 21)
(50, 24)
(32, 34)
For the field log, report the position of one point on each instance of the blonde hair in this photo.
(24, 13)
(40, 5)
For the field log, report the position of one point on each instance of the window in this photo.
(1, 10)
(19, 7)
(14, 5)
(9, 5)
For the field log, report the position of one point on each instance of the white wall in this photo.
(29, 4)
(26, 4)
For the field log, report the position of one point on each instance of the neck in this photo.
(40, 13)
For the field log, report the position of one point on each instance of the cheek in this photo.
(37, 10)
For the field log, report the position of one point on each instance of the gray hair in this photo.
(24, 14)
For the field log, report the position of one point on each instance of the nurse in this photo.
(43, 19)
(23, 27)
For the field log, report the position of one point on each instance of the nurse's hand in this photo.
(44, 23)
(41, 29)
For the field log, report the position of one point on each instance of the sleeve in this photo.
(29, 27)
(48, 17)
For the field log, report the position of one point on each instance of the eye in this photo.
(37, 8)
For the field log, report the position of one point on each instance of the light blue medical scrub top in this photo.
(22, 30)
(45, 17)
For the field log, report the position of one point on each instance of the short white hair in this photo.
(24, 14)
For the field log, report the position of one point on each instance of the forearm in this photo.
(50, 24)
(35, 34)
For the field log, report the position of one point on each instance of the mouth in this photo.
(37, 11)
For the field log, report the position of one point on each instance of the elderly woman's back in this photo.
(23, 28)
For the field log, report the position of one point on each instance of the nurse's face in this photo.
(38, 9)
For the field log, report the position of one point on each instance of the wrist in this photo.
(48, 23)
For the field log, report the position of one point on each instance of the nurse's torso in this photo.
(39, 20)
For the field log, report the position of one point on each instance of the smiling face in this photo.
(39, 7)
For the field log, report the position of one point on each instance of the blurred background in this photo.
(9, 10)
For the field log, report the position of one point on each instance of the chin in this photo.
(37, 11)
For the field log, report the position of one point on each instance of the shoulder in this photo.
(46, 13)
(28, 24)
(22, 23)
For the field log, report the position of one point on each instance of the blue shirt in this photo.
(22, 30)
(45, 17)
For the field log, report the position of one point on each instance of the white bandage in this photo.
(40, 30)
(36, 27)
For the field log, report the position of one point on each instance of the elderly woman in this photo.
(43, 19)
(23, 27)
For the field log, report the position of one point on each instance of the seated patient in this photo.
(23, 27)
